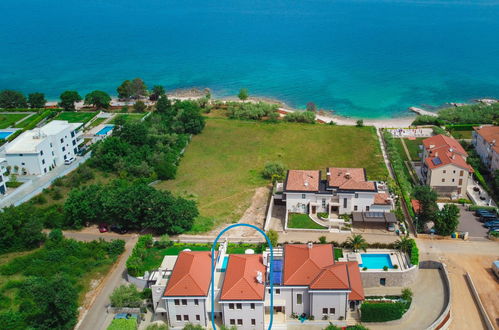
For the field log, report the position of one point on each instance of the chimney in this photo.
(305, 184)
(436, 153)
(310, 245)
(259, 277)
(347, 175)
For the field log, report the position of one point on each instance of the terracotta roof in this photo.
(191, 274)
(349, 179)
(355, 281)
(332, 277)
(302, 264)
(301, 180)
(443, 156)
(489, 134)
(416, 205)
(381, 199)
(438, 141)
(240, 281)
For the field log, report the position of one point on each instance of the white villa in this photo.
(37, 151)
(345, 190)
(3, 169)
(486, 143)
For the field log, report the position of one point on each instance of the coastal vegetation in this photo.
(135, 88)
(42, 289)
(10, 99)
(99, 99)
(251, 111)
(243, 94)
(234, 152)
(300, 117)
(68, 100)
(36, 100)
(467, 114)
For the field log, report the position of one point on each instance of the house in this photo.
(343, 191)
(444, 166)
(486, 142)
(3, 170)
(307, 281)
(37, 151)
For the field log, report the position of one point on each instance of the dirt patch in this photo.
(254, 215)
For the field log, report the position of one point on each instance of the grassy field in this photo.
(76, 117)
(297, 220)
(462, 134)
(129, 116)
(7, 120)
(96, 122)
(222, 166)
(413, 147)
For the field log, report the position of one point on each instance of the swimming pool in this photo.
(4, 134)
(224, 264)
(105, 130)
(375, 260)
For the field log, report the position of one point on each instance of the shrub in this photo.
(274, 170)
(146, 294)
(359, 123)
(252, 111)
(322, 239)
(414, 253)
(407, 294)
(126, 296)
(156, 326)
(273, 237)
(385, 268)
(364, 268)
(300, 117)
(372, 311)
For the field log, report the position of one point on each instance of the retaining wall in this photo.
(483, 312)
(445, 318)
(393, 278)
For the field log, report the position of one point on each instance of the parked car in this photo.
(492, 223)
(493, 228)
(390, 227)
(495, 268)
(481, 212)
(485, 218)
(118, 229)
(103, 228)
(69, 160)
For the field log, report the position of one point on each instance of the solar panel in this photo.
(436, 161)
(277, 278)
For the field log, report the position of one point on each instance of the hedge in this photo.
(414, 253)
(476, 207)
(382, 311)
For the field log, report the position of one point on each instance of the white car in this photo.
(69, 161)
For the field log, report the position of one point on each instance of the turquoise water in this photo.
(367, 58)
(5, 134)
(375, 261)
(224, 264)
(105, 130)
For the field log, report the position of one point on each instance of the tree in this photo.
(12, 99)
(360, 123)
(273, 237)
(36, 100)
(243, 94)
(427, 198)
(21, 229)
(68, 99)
(407, 294)
(311, 107)
(404, 244)
(157, 92)
(126, 296)
(125, 90)
(139, 88)
(188, 118)
(99, 99)
(356, 243)
(447, 220)
(164, 105)
(274, 170)
(139, 106)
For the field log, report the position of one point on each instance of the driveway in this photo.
(468, 222)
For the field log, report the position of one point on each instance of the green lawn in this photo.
(129, 117)
(403, 154)
(338, 253)
(222, 166)
(297, 220)
(96, 122)
(76, 117)
(7, 120)
(413, 147)
(461, 134)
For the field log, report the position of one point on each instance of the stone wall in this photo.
(393, 278)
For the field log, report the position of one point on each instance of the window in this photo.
(453, 180)
(62, 140)
(253, 322)
(74, 142)
(367, 208)
(43, 161)
(231, 306)
(51, 144)
(23, 164)
(382, 281)
(443, 180)
(454, 171)
(344, 202)
(186, 317)
(252, 306)
(52, 153)
(198, 318)
(356, 195)
(179, 317)
(277, 291)
(239, 321)
(20, 155)
(65, 157)
(332, 311)
(355, 207)
(239, 306)
(45, 170)
(184, 302)
(444, 171)
(73, 134)
(299, 299)
(177, 302)
(323, 203)
(63, 149)
(196, 302)
(41, 152)
(303, 196)
(461, 173)
(232, 322)
(324, 311)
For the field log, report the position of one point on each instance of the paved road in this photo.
(470, 223)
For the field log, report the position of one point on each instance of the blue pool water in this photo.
(375, 261)
(105, 130)
(224, 264)
(369, 58)
(4, 135)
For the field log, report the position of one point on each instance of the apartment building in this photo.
(3, 169)
(307, 282)
(444, 166)
(37, 151)
(343, 191)
(486, 142)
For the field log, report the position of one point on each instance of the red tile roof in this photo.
(301, 180)
(438, 141)
(381, 199)
(191, 275)
(349, 179)
(444, 150)
(416, 205)
(315, 267)
(489, 134)
(240, 281)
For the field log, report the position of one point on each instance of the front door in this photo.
(313, 209)
(352, 305)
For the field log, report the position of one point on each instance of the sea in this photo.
(358, 58)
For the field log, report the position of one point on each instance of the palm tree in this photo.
(404, 244)
(357, 242)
